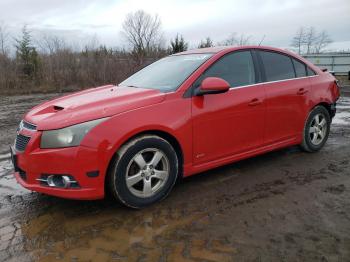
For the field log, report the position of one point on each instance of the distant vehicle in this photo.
(179, 116)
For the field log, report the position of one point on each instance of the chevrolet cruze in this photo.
(179, 116)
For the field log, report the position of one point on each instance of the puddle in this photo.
(126, 235)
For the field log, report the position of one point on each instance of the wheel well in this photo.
(171, 139)
(328, 107)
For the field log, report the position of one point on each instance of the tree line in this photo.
(52, 65)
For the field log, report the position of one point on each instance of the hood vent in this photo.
(58, 108)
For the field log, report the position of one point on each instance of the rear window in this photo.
(277, 66)
(300, 68)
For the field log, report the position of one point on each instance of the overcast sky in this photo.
(78, 20)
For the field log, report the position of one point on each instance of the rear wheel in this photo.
(316, 129)
(144, 172)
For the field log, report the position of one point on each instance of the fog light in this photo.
(60, 181)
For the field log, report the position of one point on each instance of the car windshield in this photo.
(166, 74)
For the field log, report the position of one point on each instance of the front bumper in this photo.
(79, 194)
(78, 162)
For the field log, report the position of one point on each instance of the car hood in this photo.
(91, 104)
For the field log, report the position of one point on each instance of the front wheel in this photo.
(144, 171)
(316, 129)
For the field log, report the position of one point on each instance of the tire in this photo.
(316, 129)
(143, 172)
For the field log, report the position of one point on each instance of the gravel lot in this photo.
(282, 206)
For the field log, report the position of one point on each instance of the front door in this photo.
(232, 122)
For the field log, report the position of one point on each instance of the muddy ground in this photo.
(282, 206)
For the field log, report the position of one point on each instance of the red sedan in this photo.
(181, 115)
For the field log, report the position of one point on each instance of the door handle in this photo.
(255, 102)
(302, 91)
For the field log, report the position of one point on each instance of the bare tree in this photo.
(4, 38)
(310, 39)
(307, 40)
(322, 40)
(238, 40)
(143, 32)
(299, 39)
(231, 40)
(51, 44)
(244, 40)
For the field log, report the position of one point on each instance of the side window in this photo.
(300, 68)
(310, 72)
(236, 68)
(277, 66)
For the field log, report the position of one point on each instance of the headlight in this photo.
(68, 136)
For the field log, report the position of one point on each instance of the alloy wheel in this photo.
(318, 129)
(147, 172)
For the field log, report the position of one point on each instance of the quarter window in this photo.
(300, 68)
(277, 66)
(236, 68)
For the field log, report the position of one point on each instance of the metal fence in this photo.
(338, 63)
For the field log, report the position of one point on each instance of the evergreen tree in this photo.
(178, 45)
(27, 55)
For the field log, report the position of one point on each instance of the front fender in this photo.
(111, 134)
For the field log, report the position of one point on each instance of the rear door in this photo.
(287, 90)
(232, 122)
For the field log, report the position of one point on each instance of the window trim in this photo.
(256, 84)
(295, 71)
(258, 67)
(276, 81)
(262, 69)
(309, 68)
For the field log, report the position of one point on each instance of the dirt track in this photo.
(283, 206)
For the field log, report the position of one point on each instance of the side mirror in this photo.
(212, 85)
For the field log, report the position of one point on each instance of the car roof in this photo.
(225, 49)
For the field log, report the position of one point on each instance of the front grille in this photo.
(21, 142)
(28, 125)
